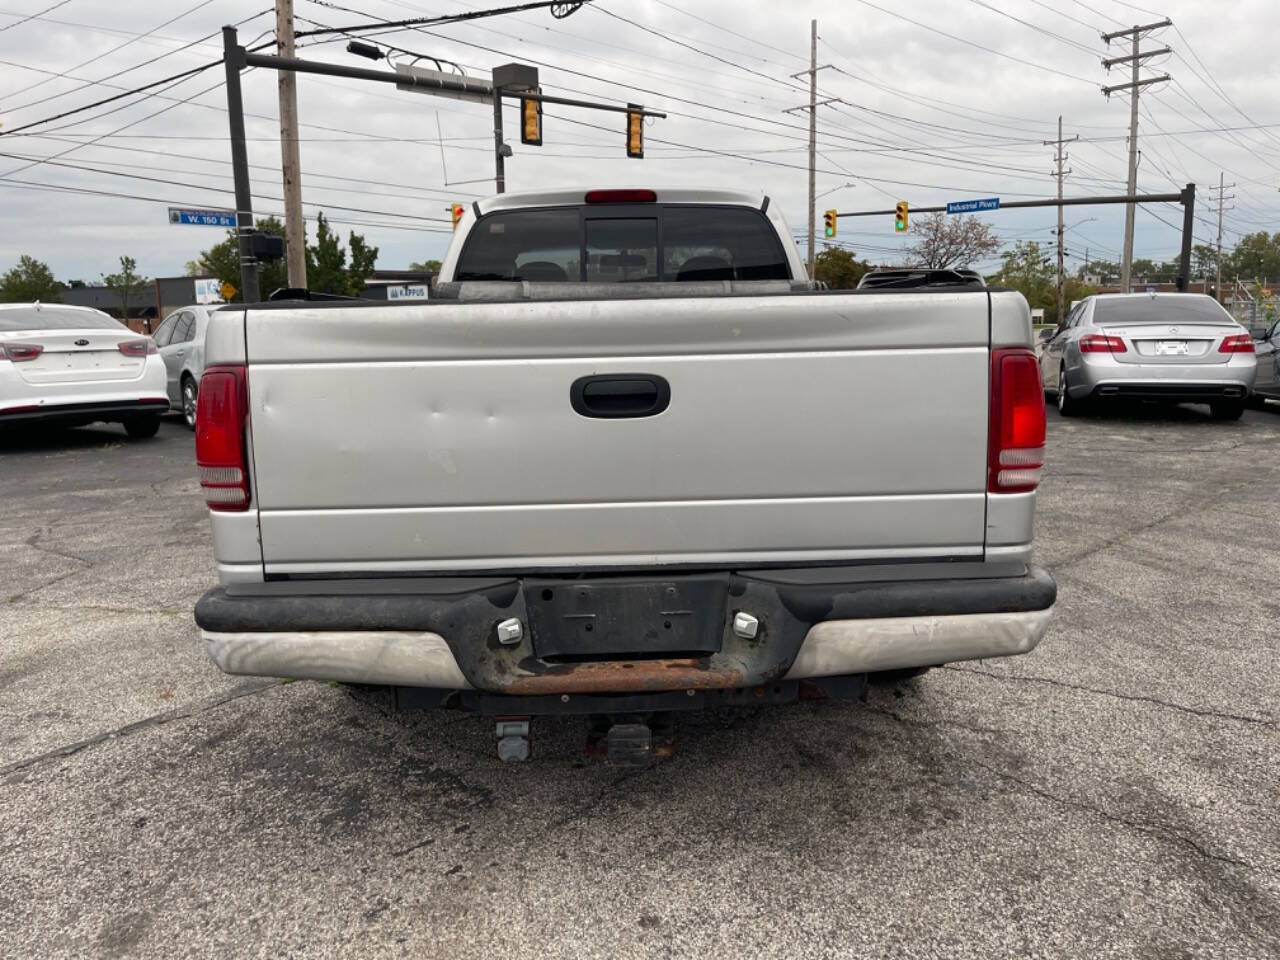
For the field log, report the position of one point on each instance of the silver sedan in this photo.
(1173, 347)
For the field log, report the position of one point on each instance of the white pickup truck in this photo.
(626, 460)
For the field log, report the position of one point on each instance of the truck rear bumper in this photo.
(421, 659)
(446, 637)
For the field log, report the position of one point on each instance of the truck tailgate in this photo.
(443, 437)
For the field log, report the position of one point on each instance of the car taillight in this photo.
(138, 348)
(1099, 343)
(621, 196)
(1015, 443)
(20, 352)
(222, 414)
(1237, 343)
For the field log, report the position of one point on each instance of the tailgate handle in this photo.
(617, 395)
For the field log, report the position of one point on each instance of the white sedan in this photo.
(74, 365)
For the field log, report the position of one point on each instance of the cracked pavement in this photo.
(1114, 793)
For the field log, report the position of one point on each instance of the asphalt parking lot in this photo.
(1115, 793)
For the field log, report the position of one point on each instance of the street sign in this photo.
(973, 206)
(208, 291)
(410, 291)
(228, 291)
(203, 218)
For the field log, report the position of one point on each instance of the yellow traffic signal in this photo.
(455, 211)
(635, 132)
(531, 122)
(829, 224)
(900, 217)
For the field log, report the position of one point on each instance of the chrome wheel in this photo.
(1062, 388)
(189, 402)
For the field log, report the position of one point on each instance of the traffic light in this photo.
(900, 217)
(635, 132)
(829, 224)
(455, 211)
(531, 122)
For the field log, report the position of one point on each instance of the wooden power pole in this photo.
(1134, 86)
(290, 164)
(1059, 173)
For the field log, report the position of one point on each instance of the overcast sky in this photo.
(922, 113)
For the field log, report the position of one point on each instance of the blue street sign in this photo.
(203, 218)
(973, 206)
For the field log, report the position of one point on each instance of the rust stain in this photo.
(626, 676)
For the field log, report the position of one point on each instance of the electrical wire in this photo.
(34, 16)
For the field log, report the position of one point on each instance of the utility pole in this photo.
(813, 132)
(813, 138)
(1222, 198)
(1134, 59)
(234, 59)
(290, 164)
(1060, 173)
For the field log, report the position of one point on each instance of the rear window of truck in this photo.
(624, 244)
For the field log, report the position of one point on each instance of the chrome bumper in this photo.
(423, 659)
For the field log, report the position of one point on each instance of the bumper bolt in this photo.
(510, 631)
(745, 625)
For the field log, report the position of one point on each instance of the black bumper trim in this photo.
(467, 619)
(85, 412)
(1177, 392)
(257, 608)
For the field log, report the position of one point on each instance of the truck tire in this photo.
(1066, 405)
(140, 428)
(1226, 409)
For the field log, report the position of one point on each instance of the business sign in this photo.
(974, 206)
(208, 291)
(203, 218)
(411, 291)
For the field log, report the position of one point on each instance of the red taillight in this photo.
(138, 348)
(1099, 343)
(20, 352)
(222, 413)
(621, 196)
(1015, 443)
(1237, 343)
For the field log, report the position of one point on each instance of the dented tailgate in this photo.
(447, 436)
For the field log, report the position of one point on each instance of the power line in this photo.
(106, 53)
(52, 75)
(34, 16)
(972, 43)
(116, 195)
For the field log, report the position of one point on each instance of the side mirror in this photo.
(1048, 334)
(1258, 333)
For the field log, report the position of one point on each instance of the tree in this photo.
(327, 270)
(838, 268)
(29, 281)
(1204, 260)
(1255, 256)
(1026, 268)
(426, 266)
(222, 260)
(943, 241)
(128, 285)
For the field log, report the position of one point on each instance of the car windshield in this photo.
(1169, 308)
(55, 318)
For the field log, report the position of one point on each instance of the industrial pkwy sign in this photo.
(203, 218)
(973, 206)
